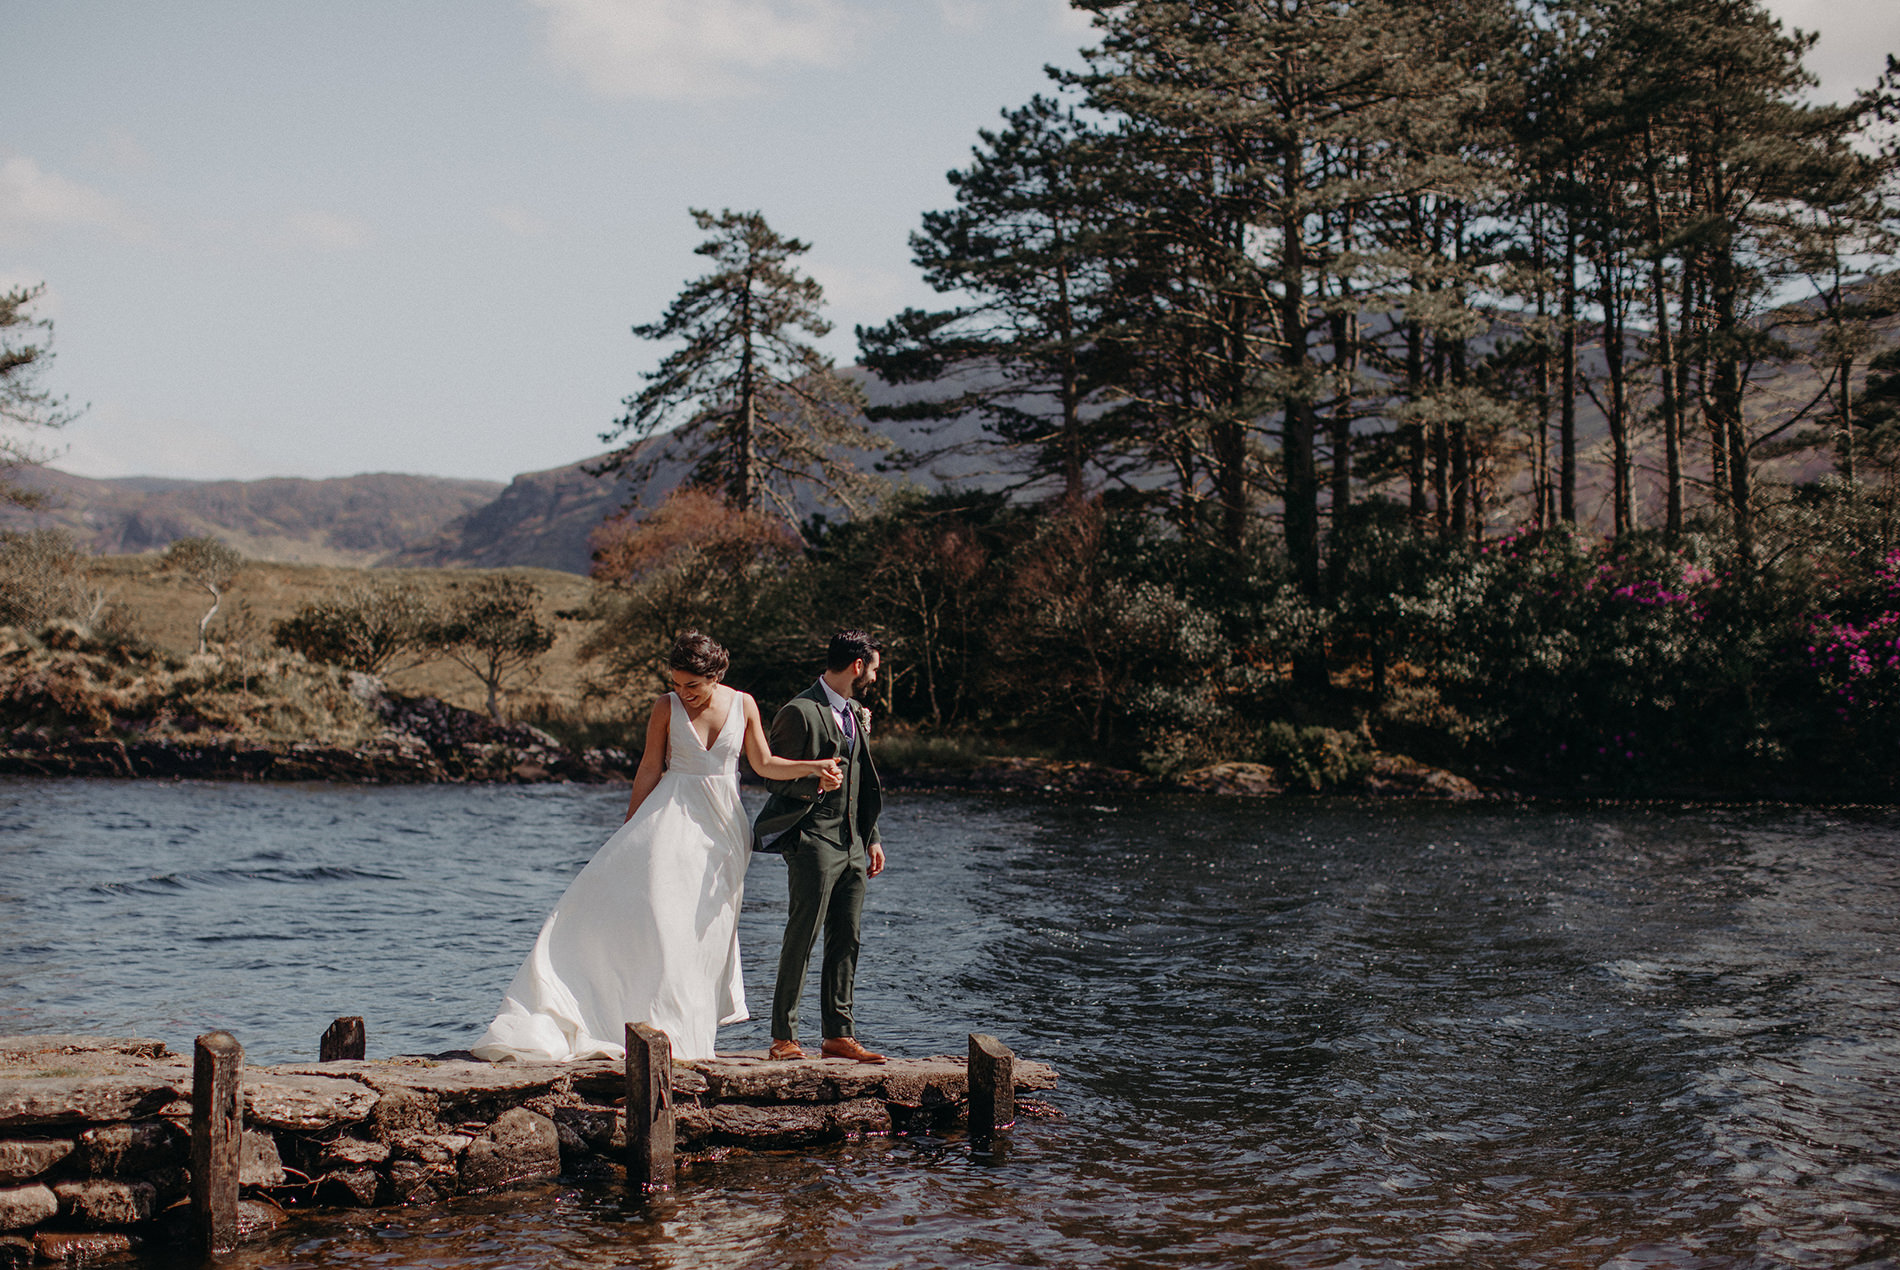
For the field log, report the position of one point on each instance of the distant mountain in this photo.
(541, 519)
(544, 519)
(350, 520)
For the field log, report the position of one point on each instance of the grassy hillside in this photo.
(166, 611)
(352, 520)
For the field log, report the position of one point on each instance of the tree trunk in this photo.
(744, 489)
(1542, 509)
(1725, 398)
(1415, 430)
(1459, 440)
(1622, 476)
(1346, 363)
(204, 623)
(1844, 457)
(1665, 352)
(1567, 404)
(1441, 449)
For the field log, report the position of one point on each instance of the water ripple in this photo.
(1291, 1035)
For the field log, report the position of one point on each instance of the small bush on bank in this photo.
(43, 579)
(1315, 758)
(582, 730)
(907, 751)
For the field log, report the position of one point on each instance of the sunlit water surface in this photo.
(1290, 1034)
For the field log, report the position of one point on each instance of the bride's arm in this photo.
(769, 766)
(652, 759)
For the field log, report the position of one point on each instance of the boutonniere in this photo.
(863, 714)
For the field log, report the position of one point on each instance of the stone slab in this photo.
(281, 1100)
(70, 1247)
(89, 1099)
(783, 1124)
(350, 1188)
(351, 1153)
(143, 1146)
(107, 1201)
(520, 1146)
(259, 1162)
(12, 1047)
(29, 1157)
(915, 1082)
(23, 1207)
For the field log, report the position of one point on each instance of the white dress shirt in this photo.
(838, 706)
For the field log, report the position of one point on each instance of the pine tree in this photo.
(758, 411)
(1024, 243)
(24, 405)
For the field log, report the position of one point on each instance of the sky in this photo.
(295, 239)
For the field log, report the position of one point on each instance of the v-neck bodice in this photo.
(684, 753)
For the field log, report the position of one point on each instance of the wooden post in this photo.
(343, 1039)
(992, 1087)
(217, 1130)
(649, 1107)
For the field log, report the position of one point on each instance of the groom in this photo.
(830, 844)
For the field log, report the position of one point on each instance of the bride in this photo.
(648, 931)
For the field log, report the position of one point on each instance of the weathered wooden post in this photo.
(217, 1131)
(343, 1039)
(992, 1087)
(649, 1107)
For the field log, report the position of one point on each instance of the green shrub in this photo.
(1319, 758)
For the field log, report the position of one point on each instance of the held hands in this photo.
(830, 775)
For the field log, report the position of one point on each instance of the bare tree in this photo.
(207, 563)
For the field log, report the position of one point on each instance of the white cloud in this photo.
(107, 442)
(33, 199)
(519, 221)
(329, 230)
(686, 50)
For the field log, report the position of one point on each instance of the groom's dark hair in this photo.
(847, 647)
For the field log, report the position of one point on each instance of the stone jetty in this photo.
(96, 1134)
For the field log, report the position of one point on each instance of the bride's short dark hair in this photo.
(697, 654)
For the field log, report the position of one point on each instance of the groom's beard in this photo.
(859, 684)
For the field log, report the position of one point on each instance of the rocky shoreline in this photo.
(1390, 776)
(423, 741)
(95, 1132)
(429, 742)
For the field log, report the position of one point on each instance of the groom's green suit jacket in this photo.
(847, 817)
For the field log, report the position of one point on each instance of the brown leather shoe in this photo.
(848, 1047)
(785, 1051)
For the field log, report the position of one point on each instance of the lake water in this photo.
(1290, 1034)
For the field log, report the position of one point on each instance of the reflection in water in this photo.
(1290, 1034)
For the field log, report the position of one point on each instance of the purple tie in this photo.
(850, 724)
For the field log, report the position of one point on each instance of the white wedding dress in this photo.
(648, 932)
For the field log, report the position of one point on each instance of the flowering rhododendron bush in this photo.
(1856, 650)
